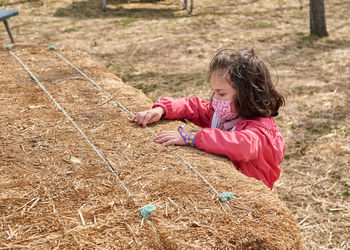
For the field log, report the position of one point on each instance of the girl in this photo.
(237, 122)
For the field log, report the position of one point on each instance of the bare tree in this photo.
(317, 18)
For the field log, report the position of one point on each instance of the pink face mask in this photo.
(223, 109)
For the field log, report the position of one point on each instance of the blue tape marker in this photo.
(225, 196)
(146, 210)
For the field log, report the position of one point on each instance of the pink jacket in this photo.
(255, 147)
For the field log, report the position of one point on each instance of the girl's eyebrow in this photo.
(219, 89)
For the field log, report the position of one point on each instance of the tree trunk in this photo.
(317, 18)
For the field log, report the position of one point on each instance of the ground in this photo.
(159, 48)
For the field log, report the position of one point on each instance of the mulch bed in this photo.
(55, 191)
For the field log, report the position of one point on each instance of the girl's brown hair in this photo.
(249, 76)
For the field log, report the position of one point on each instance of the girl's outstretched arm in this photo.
(194, 109)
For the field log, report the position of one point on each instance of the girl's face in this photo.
(223, 89)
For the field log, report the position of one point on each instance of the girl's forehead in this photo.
(220, 82)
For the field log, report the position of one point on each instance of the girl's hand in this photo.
(168, 138)
(149, 116)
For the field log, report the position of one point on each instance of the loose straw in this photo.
(53, 49)
(81, 133)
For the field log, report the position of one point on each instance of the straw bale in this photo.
(56, 192)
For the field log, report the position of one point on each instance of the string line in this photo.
(94, 83)
(52, 48)
(80, 131)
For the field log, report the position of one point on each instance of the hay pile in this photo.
(56, 192)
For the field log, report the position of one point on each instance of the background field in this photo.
(160, 49)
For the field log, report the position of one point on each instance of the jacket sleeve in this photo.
(241, 145)
(194, 109)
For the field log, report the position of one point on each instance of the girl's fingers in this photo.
(149, 116)
(162, 139)
(137, 118)
(169, 143)
(166, 135)
(154, 118)
(168, 138)
(147, 119)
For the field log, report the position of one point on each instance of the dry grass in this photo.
(163, 51)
